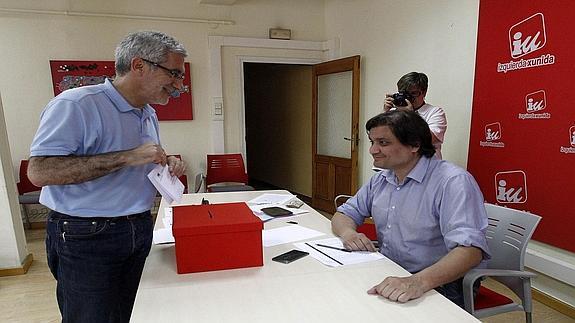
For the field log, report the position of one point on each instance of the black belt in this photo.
(58, 215)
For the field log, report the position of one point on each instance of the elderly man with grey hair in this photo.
(91, 154)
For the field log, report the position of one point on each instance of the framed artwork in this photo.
(68, 74)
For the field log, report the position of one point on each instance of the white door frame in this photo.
(330, 50)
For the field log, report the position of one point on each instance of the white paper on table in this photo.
(287, 234)
(346, 258)
(269, 198)
(257, 210)
(167, 219)
(163, 236)
(169, 186)
(264, 217)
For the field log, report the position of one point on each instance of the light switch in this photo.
(218, 109)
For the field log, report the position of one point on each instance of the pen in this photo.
(332, 247)
(323, 253)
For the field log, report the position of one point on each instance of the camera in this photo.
(400, 97)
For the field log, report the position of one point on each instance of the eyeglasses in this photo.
(175, 73)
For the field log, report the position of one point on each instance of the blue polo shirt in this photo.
(94, 120)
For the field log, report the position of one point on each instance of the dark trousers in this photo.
(97, 263)
(454, 291)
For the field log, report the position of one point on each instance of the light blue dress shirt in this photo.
(94, 120)
(437, 208)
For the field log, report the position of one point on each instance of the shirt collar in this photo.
(121, 103)
(417, 173)
(422, 109)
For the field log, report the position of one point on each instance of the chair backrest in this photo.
(367, 228)
(24, 185)
(508, 233)
(199, 183)
(226, 168)
(340, 199)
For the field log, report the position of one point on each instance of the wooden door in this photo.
(335, 118)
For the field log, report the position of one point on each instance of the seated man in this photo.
(429, 214)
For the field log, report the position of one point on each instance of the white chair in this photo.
(508, 233)
(367, 228)
(199, 186)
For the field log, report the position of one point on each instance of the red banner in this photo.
(522, 142)
(71, 74)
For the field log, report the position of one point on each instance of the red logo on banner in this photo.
(571, 149)
(493, 131)
(527, 36)
(535, 101)
(511, 187)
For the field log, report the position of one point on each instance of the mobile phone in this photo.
(276, 211)
(292, 255)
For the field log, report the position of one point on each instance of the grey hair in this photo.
(151, 45)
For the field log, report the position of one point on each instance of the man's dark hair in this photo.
(409, 128)
(413, 79)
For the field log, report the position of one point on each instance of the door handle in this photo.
(354, 141)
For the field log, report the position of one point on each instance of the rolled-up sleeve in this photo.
(358, 207)
(463, 219)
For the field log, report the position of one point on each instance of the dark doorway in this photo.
(278, 119)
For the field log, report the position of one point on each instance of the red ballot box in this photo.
(216, 236)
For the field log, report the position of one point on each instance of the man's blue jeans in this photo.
(97, 263)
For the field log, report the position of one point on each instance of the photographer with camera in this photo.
(412, 88)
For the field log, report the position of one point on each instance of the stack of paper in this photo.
(169, 186)
(164, 235)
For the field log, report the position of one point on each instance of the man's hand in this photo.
(388, 104)
(400, 289)
(344, 227)
(353, 240)
(148, 153)
(176, 166)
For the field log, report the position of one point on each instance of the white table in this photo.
(302, 291)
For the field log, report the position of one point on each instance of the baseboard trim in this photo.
(19, 270)
(553, 302)
(37, 225)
